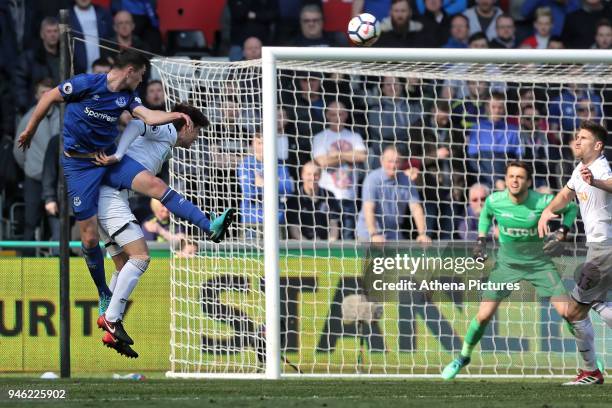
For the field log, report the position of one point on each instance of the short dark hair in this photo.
(597, 130)
(467, 20)
(604, 22)
(523, 165)
(498, 96)
(101, 62)
(478, 36)
(197, 117)
(130, 57)
(443, 105)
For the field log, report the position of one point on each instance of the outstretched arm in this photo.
(155, 117)
(42, 107)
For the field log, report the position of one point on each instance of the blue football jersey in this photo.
(92, 112)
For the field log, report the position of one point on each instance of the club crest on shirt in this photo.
(67, 88)
(95, 97)
(121, 101)
(138, 100)
(76, 201)
(583, 196)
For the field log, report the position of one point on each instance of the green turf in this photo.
(312, 393)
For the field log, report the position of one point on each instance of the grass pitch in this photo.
(328, 393)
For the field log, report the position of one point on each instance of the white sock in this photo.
(126, 282)
(605, 312)
(113, 281)
(585, 341)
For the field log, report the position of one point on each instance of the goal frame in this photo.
(269, 59)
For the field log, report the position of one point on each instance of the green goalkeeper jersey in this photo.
(519, 222)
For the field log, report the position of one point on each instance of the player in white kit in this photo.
(591, 183)
(123, 237)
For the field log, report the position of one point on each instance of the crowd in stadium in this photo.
(344, 174)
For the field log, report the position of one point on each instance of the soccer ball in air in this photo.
(364, 29)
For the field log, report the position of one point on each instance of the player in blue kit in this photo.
(93, 106)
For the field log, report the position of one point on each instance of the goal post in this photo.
(266, 303)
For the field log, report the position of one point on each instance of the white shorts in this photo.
(116, 222)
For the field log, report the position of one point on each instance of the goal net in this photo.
(454, 119)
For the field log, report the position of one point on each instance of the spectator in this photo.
(467, 111)
(146, 21)
(36, 64)
(288, 26)
(459, 32)
(482, 17)
(49, 188)
(580, 26)
(8, 47)
(543, 25)
(155, 97)
(251, 176)
(251, 49)
(101, 66)
(562, 109)
(443, 169)
(559, 11)
(505, 33)
(21, 21)
(555, 43)
(339, 151)
(311, 29)
(603, 35)
(308, 107)
(390, 116)
(436, 22)
(124, 37)
(282, 139)
(450, 7)
(157, 228)
(32, 159)
(313, 213)
(478, 40)
(492, 141)
(250, 18)
(399, 30)
(89, 24)
(535, 145)
(378, 8)
(468, 226)
(387, 194)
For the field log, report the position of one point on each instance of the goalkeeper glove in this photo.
(480, 249)
(553, 243)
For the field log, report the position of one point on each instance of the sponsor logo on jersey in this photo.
(67, 88)
(519, 232)
(76, 201)
(138, 100)
(506, 215)
(99, 115)
(121, 101)
(531, 216)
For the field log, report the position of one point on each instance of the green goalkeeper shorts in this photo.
(542, 275)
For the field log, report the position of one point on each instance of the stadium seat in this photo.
(189, 43)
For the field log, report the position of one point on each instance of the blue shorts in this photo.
(83, 180)
(121, 175)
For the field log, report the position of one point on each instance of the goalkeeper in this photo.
(522, 256)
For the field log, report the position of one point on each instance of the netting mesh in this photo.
(454, 127)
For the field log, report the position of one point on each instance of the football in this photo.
(363, 30)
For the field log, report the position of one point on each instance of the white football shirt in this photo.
(151, 149)
(595, 203)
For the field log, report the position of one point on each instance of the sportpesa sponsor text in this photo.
(99, 115)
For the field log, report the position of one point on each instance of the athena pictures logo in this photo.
(121, 101)
(67, 88)
(76, 201)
